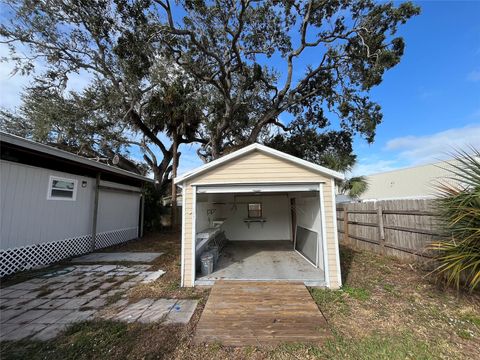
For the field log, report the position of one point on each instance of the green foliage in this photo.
(113, 45)
(133, 52)
(220, 44)
(472, 318)
(354, 186)
(332, 149)
(153, 208)
(331, 301)
(379, 346)
(84, 340)
(71, 123)
(357, 293)
(458, 208)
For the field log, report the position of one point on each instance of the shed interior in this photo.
(261, 236)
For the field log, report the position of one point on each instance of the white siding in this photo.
(28, 218)
(117, 210)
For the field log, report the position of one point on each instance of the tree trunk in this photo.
(174, 186)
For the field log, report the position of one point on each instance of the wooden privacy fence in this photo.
(400, 228)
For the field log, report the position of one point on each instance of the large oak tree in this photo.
(249, 62)
(314, 59)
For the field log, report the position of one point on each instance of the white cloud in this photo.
(412, 150)
(430, 148)
(474, 76)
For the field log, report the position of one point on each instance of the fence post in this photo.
(345, 223)
(381, 229)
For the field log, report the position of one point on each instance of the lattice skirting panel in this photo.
(109, 238)
(38, 255)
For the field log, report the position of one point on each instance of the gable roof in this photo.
(264, 149)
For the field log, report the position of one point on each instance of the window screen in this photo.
(62, 189)
(306, 243)
(255, 210)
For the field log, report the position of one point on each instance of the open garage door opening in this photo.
(261, 233)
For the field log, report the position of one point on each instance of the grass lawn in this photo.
(386, 310)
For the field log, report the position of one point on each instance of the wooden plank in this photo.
(345, 224)
(415, 231)
(242, 313)
(381, 229)
(362, 223)
(409, 212)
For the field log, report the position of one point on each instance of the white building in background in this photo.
(416, 182)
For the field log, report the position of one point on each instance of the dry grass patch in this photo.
(382, 296)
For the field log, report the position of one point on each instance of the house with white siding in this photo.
(55, 205)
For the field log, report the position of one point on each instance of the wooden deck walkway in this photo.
(241, 313)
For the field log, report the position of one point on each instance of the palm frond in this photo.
(458, 208)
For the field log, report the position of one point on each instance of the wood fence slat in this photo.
(415, 231)
(362, 223)
(401, 228)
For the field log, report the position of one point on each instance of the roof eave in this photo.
(49, 150)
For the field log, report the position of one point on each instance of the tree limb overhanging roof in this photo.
(65, 155)
(262, 148)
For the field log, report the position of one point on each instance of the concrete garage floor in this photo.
(263, 260)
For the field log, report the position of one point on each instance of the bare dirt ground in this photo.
(386, 310)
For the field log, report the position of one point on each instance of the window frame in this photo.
(50, 188)
(261, 210)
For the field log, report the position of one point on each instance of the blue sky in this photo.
(430, 101)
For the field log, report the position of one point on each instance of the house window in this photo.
(62, 189)
(254, 210)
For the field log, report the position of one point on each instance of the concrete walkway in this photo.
(98, 257)
(241, 313)
(44, 306)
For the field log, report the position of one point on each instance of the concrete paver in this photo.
(52, 317)
(181, 312)
(29, 310)
(27, 317)
(50, 332)
(157, 311)
(76, 316)
(52, 304)
(22, 332)
(153, 276)
(6, 315)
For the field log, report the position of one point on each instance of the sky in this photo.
(430, 101)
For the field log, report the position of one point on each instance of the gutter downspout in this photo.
(142, 211)
(95, 212)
